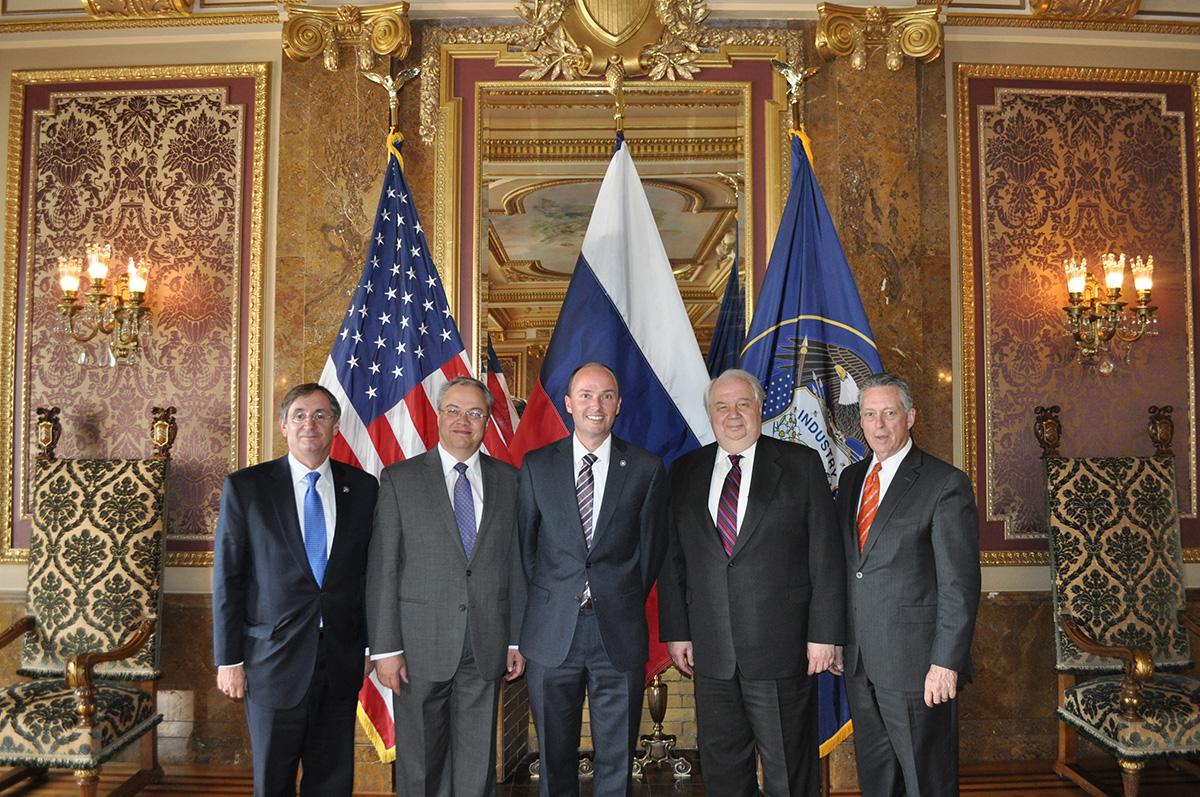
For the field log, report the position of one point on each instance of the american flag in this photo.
(397, 344)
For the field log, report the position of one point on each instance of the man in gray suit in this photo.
(445, 597)
(752, 595)
(592, 526)
(911, 535)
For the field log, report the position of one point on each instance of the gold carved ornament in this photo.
(574, 38)
(1085, 10)
(847, 30)
(137, 9)
(370, 30)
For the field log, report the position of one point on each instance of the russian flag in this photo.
(623, 309)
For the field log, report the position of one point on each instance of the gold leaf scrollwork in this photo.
(557, 56)
(137, 9)
(848, 30)
(1085, 10)
(675, 54)
(369, 30)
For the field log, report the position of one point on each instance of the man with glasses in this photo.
(288, 617)
(445, 597)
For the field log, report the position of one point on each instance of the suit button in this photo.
(858, 574)
(730, 563)
(468, 572)
(588, 565)
(462, 607)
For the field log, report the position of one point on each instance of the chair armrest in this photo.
(1188, 623)
(17, 630)
(1139, 665)
(80, 666)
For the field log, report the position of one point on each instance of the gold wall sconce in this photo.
(1094, 323)
(113, 307)
(371, 31)
(855, 31)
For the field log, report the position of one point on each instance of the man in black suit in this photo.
(911, 536)
(752, 599)
(591, 518)
(288, 623)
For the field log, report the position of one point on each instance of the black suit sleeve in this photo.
(826, 559)
(652, 527)
(673, 625)
(955, 541)
(230, 566)
(528, 521)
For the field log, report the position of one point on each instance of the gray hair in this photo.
(308, 388)
(736, 373)
(465, 380)
(885, 379)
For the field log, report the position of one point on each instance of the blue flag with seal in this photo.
(810, 345)
(730, 332)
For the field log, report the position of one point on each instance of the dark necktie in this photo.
(869, 505)
(585, 492)
(728, 505)
(464, 509)
(314, 528)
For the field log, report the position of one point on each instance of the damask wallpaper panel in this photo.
(1058, 163)
(167, 164)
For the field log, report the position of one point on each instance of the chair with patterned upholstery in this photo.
(91, 637)
(1118, 595)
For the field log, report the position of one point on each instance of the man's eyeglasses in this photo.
(452, 411)
(320, 417)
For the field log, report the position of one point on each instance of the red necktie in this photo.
(728, 505)
(869, 506)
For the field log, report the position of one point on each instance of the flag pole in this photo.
(614, 73)
(795, 78)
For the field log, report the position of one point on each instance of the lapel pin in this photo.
(621, 463)
(345, 489)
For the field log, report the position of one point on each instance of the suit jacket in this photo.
(421, 589)
(628, 545)
(914, 590)
(783, 586)
(267, 607)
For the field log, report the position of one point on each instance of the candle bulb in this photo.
(137, 277)
(1114, 271)
(1076, 275)
(69, 270)
(98, 261)
(1143, 273)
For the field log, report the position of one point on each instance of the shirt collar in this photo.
(892, 463)
(300, 471)
(602, 452)
(449, 460)
(747, 455)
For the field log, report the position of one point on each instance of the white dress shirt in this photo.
(721, 468)
(887, 472)
(603, 455)
(474, 478)
(300, 473)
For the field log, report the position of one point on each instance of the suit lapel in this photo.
(699, 480)
(288, 522)
(491, 487)
(435, 485)
(343, 501)
(564, 466)
(848, 502)
(614, 482)
(893, 498)
(763, 483)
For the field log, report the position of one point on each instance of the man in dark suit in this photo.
(591, 512)
(288, 625)
(912, 557)
(445, 598)
(752, 598)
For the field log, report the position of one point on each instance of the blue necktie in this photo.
(314, 528)
(464, 509)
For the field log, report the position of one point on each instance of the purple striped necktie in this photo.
(728, 505)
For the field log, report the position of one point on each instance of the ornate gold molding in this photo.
(1085, 9)
(137, 9)
(123, 23)
(1014, 558)
(600, 149)
(1175, 28)
(370, 30)
(847, 30)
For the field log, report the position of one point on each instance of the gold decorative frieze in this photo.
(137, 9)
(600, 149)
(1085, 10)
(370, 30)
(854, 31)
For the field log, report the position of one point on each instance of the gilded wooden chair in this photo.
(91, 637)
(1118, 595)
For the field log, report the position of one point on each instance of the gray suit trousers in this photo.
(444, 741)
